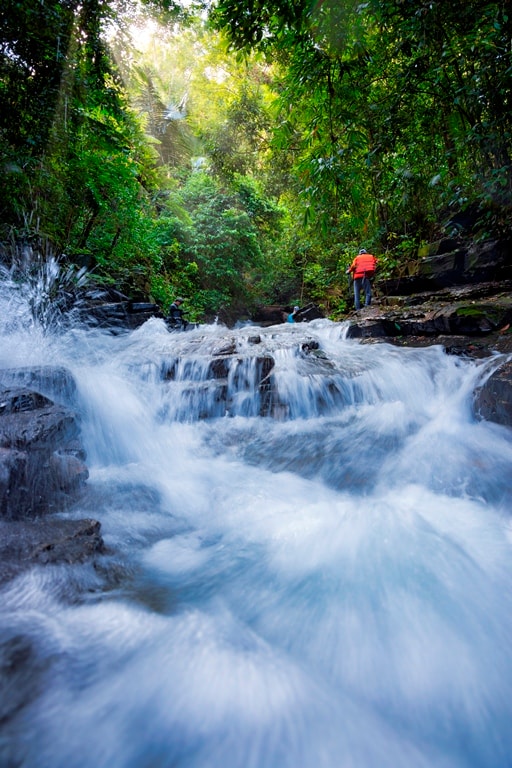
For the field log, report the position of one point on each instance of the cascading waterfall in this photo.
(309, 557)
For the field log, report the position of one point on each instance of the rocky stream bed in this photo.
(460, 299)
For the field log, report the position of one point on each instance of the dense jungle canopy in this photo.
(240, 152)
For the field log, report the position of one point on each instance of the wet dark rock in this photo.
(434, 318)
(19, 400)
(46, 541)
(278, 313)
(493, 400)
(40, 461)
(461, 346)
(228, 347)
(309, 346)
(168, 370)
(121, 316)
(42, 470)
(68, 471)
(219, 369)
(309, 312)
(111, 310)
(270, 314)
(39, 426)
(42, 458)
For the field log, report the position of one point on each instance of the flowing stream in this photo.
(327, 585)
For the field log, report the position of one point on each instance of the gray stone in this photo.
(41, 456)
(44, 541)
(493, 400)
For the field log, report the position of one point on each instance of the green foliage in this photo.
(34, 40)
(238, 145)
(87, 185)
(163, 116)
(343, 123)
(220, 238)
(398, 112)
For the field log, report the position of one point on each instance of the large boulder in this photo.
(271, 314)
(41, 456)
(457, 263)
(493, 400)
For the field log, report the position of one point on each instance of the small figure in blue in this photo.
(291, 316)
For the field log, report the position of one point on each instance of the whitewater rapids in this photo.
(329, 586)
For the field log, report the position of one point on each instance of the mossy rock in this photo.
(498, 313)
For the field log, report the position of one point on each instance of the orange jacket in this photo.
(363, 264)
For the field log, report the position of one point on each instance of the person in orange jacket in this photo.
(362, 270)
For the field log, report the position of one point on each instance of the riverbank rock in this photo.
(456, 287)
(53, 381)
(471, 311)
(450, 307)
